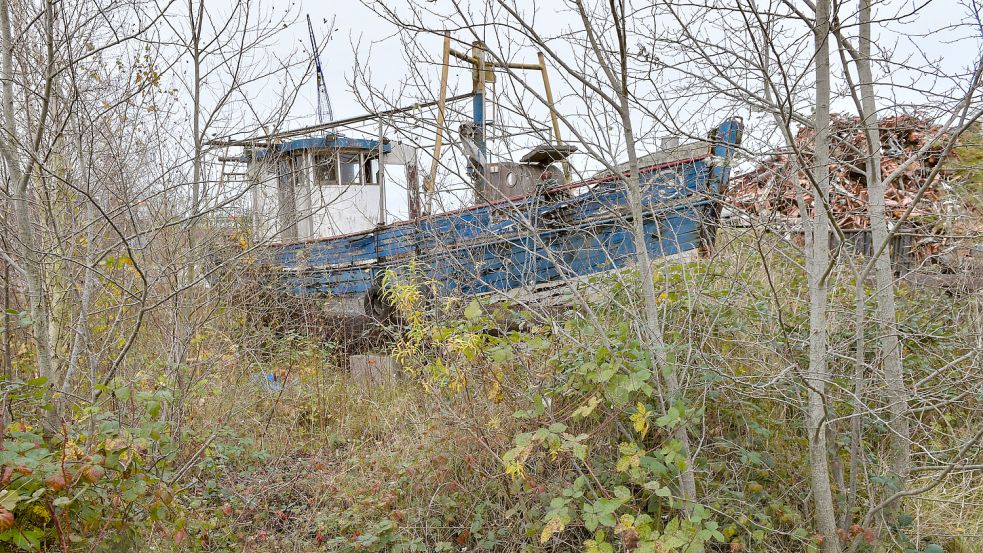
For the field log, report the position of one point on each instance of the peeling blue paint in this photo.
(524, 241)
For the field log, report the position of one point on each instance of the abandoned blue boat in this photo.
(526, 243)
(323, 199)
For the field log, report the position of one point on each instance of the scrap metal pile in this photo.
(770, 192)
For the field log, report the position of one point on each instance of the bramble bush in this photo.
(98, 482)
(590, 447)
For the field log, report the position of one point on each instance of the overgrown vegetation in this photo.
(507, 432)
(967, 165)
(160, 391)
(547, 438)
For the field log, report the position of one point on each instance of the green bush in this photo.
(95, 483)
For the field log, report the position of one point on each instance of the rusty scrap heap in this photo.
(768, 191)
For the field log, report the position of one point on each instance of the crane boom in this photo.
(324, 113)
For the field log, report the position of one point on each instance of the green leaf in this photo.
(579, 451)
(9, 499)
(158, 512)
(557, 427)
(653, 465)
(905, 520)
(500, 354)
(606, 373)
(637, 379)
(472, 311)
(934, 548)
(25, 319)
(29, 539)
(19, 446)
(669, 419)
(590, 519)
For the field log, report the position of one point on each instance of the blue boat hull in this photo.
(524, 242)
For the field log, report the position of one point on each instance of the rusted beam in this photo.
(264, 140)
(474, 61)
(459, 55)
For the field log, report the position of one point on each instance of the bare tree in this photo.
(817, 264)
(214, 49)
(21, 151)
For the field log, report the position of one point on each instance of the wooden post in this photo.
(553, 117)
(428, 185)
(412, 183)
(373, 370)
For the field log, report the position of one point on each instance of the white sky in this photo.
(361, 35)
(357, 25)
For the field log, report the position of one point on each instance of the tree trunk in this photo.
(653, 331)
(80, 335)
(653, 323)
(890, 351)
(817, 262)
(22, 195)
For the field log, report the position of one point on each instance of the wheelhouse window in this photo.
(345, 168)
(326, 169)
(351, 169)
(372, 170)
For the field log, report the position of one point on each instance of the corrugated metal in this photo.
(861, 241)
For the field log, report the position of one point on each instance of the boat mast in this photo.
(324, 112)
(481, 77)
(428, 184)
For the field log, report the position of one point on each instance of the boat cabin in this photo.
(323, 186)
(309, 188)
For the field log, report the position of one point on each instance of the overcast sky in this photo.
(356, 24)
(359, 34)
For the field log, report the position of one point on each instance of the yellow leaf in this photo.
(495, 392)
(586, 410)
(640, 419)
(494, 423)
(627, 462)
(554, 526)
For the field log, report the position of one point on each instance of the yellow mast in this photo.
(428, 184)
